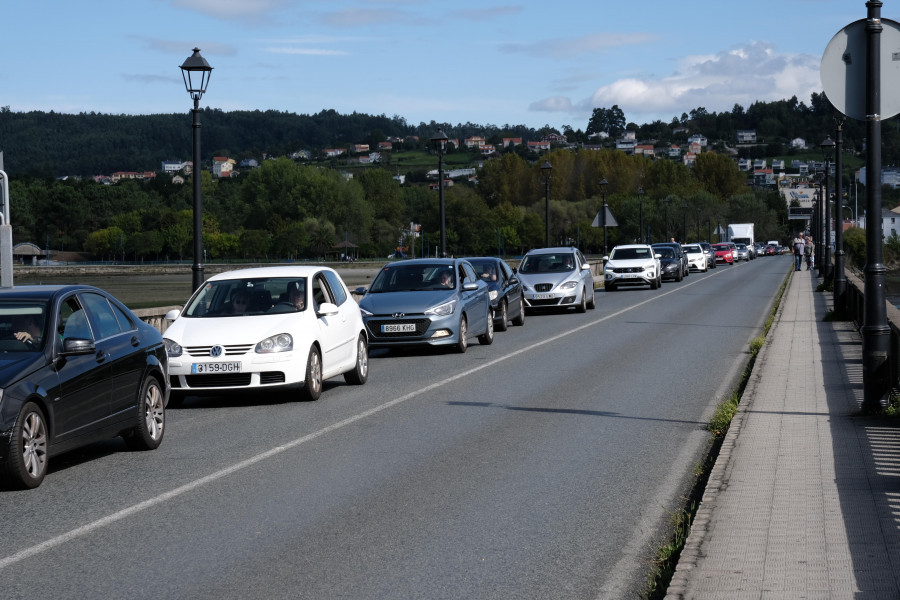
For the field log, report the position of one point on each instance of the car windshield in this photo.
(417, 277)
(241, 297)
(547, 263)
(721, 248)
(633, 253)
(665, 251)
(693, 249)
(22, 326)
(486, 269)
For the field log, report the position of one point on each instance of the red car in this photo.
(723, 254)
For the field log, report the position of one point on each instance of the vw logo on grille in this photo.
(398, 315)
(216, 351)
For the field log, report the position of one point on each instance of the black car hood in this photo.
(15, 365)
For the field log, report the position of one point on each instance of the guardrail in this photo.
(155, 316)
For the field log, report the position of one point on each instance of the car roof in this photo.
(556, 250)
(634, 246)
(42, 292)
(281, 271)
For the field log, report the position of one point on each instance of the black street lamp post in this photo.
(546, 169)
(439, 143)
(684, 208)
(603, 184)
(827, 149)
(641, 236)
(196, 73)
(840, 277)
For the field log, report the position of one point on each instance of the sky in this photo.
(492, 62)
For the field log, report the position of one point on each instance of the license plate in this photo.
(216, 367)
(399, 328)
(542, 296)
(630, 275)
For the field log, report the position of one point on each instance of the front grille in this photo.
(220, 380)
(549, 302)
(543, 287)
(233, 350)
(628, 270)
(374, 327)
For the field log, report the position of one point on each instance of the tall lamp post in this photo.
(684, 208)
(827, 148)
(641, 236)
(439, 143)
(546, 169)
(840, 277)
(603, 184)
(196, 73)
(666, 201)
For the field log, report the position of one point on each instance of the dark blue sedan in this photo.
(507, 297)
(76, 366)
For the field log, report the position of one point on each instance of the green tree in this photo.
(607, 120)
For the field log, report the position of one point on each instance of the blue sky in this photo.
(481, 61)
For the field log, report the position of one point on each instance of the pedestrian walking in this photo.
(799, 246)
(810, 253)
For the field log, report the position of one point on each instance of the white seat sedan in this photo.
(267, 329)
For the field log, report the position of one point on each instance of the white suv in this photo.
(633, 264)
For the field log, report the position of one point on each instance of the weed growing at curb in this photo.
(667, 556)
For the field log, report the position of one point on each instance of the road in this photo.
(543, 466)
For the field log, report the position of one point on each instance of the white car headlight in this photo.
(494, 294)
(364, 312)
(281, 342)
(173, 349)
(568, 285)
(442, 310)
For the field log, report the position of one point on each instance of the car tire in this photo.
(151, 417)
(582, 306)
(654, 285)
(520, 319)
(504, 316)
(462, 344)
(593, 302)
(680, 276)
(487, 338)
(27, 462)
(360, 372)
(312, 386)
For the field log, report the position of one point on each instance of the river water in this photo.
(144, 290)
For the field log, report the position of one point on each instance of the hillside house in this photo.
(476, 141)
(746, 136)
(699, 139)
(223, 166)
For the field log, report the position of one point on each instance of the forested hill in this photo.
(55, 144)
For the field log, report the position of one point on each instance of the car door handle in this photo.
(101, 356)
(135, 341)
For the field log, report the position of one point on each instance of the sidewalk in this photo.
(804, 499)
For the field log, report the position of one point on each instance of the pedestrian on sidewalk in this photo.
(810, 253)
(799, 245)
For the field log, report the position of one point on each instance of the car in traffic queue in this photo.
(505, 290)
(679, 251)
(428, 301)
(710, 254)
(670, 264)
(632, 264)
(76, 366)
(697, 258)
(557, 278)
(267, 329)
(724, 254)
(743, 253)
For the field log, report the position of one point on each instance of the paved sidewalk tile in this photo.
(804, 499)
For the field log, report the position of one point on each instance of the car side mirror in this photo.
(77, 346)
(360, 291)
(172, 314)
(327, 309)
(469, 286)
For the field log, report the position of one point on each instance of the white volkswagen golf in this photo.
(266, 329)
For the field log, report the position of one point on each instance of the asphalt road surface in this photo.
(543, 466)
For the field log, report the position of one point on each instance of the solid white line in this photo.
(141, 506)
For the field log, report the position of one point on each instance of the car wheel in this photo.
(487, 338)
(520, 320)
(582, 306)
(593, 302)
(463, 342)
(27, 463)
(654, 284)
(504, 316)
(312, 387)
(360, 372)
(151, 418)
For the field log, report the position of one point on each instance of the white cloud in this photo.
(568, 47)
(741, 75)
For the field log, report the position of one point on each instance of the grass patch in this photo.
(667, 555)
